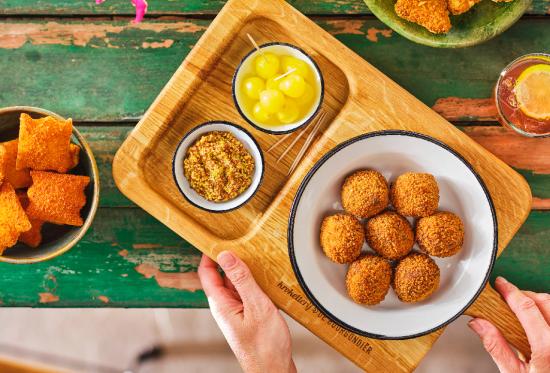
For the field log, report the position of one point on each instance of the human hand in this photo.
(533, 312)
(252, 325)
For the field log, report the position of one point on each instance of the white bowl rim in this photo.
(296, 202)
(230, 125)
(272, 131)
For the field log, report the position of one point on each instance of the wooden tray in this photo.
(359, 99)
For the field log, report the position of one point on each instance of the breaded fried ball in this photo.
(390, 235)
(368, 279)
(441, 234)
(365, 193)
(415, 194)
(416, 277)
(342, 237)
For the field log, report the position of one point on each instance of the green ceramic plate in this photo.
(481, 23)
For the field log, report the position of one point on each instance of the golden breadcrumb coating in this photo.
(17, 178)
(461, 6)
(13, 219)
(74, 151)
(390, 235)
(57, 198)
(368, 279)
(416, 277)
(342, 237)
(365, 193)
(45, 144)
(32, 237)
(441, 234)
(415, 194)
(430, 14)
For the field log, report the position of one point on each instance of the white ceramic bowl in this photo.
(191, 195)
(462, 191)
(246, 65)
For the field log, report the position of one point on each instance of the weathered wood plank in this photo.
(128, 259)
(188, 7)
(112, 70)
(105, 141)
(526, 261)
(531, 157)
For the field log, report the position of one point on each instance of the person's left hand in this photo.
(252, 325)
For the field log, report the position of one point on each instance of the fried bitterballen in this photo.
(365, 193)
(342, 237)
(415, 194)
(57, 198)
(390, 235)
(415, 278)
(368, 279)
(431, 14)
(441, 234)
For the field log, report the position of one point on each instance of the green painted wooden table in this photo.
(88, 62)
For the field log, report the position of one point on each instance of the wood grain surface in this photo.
(111, 70)
(356, 103)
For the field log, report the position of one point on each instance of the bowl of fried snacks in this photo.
(448, 23)
(49, 185)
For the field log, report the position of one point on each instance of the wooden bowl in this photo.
(57, 239)
(484, 21)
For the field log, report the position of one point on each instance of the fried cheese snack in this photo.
(13, 220)
(32, 237)
(74, 151)
(57, 198)
(17, 178)
(430, 14)
(45, 144)
(461, 6)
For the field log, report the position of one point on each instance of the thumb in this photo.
(495, 344)
(240, 276)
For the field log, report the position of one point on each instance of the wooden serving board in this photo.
(358, 99)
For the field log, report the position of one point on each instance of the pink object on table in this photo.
(140, 5)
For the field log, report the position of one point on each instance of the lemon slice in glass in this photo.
(532, 91)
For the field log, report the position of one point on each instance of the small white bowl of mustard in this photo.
(218, 166)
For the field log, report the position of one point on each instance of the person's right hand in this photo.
(533, 312)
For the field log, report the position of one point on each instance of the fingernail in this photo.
(226, 259)
(476, 325)
(502, 280)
